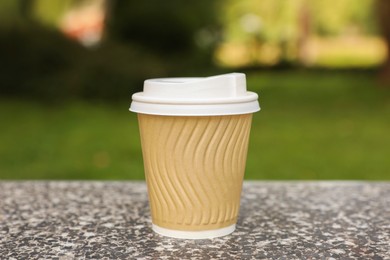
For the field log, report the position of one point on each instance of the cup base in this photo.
(194, 234)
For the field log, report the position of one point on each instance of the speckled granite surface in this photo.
(278, 220)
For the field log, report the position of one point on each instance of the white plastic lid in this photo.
(217, 95)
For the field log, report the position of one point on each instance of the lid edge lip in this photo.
(250, 97)
(199, 114)
(191, 110)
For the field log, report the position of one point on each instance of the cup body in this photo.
(194, 169)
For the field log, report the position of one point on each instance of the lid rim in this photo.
(195, 109)
(250, 96)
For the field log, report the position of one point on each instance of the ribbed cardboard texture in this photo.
(194, 168)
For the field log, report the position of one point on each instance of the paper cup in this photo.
(194, 169)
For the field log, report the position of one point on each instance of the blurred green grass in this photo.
(69, 141)
(320, 126)
(313, 125)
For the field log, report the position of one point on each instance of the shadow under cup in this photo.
(194, 168)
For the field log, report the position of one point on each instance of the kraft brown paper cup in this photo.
(194, 135)
(194, 168)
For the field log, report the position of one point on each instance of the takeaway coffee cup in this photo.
(194, 136)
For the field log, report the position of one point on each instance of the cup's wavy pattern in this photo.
(194, 167)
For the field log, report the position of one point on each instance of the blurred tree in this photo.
(289, 24)
(10, 13)
(333, 17)
(383, 9)
(143, 40)
(305, 30)
(275, 19)
(49, 12)
(25, 8)
(183, 33)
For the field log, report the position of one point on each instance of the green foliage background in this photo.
(280, 19)
(64, 107)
